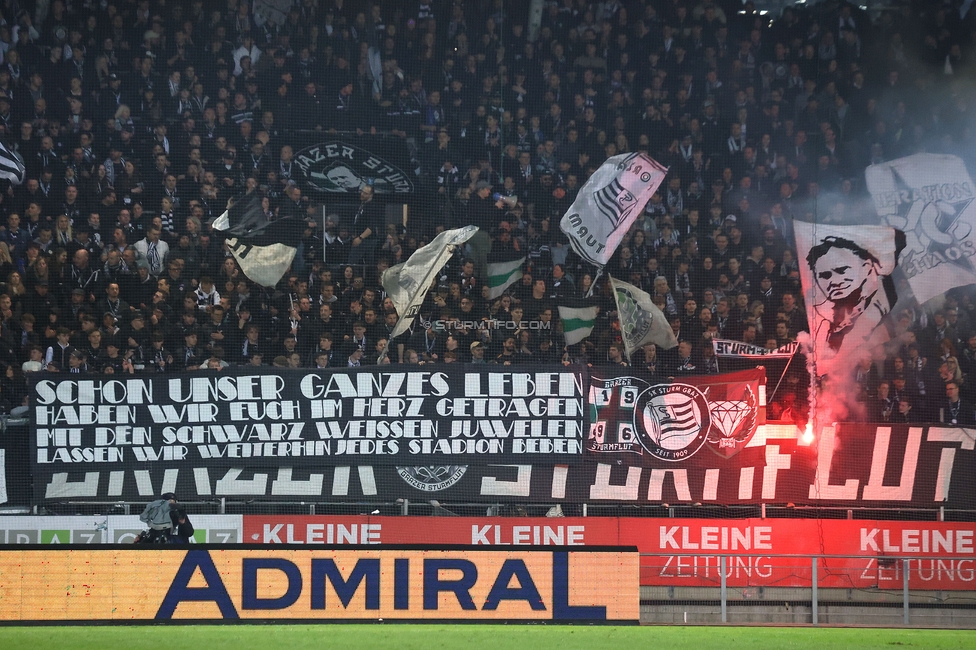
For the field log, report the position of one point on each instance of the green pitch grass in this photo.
(490, 637)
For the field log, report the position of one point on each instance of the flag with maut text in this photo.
(609, 203)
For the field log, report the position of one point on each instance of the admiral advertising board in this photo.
(208, 583)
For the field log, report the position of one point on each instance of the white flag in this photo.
(609, 203)
(263, 264)
(502, 275)
(641, 322)
(930, 198)
(408, 283)
(844, 273)
(269, 11)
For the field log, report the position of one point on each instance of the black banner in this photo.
(850, 466)
(123, 434)
(458, 434)
(343, 164)
(739, 350)
(704, 439)
(15, 480)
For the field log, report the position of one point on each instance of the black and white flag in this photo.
(609, 203)
(11, 165)
(641, 322)
(739, 350)
(264, 249)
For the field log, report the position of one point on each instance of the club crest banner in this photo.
(636, 422)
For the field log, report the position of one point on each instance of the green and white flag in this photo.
(577, 322)
(641, 322)
(502, 275)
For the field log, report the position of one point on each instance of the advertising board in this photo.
(207, 583)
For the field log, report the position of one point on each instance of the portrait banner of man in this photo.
(844, 271)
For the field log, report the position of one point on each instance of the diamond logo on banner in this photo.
(733, 423)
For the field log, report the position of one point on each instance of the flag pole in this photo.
(386, 348)
(599, 274)
(785, 368)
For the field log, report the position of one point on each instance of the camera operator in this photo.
(167, 520)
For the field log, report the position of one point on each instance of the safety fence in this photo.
(870, 590)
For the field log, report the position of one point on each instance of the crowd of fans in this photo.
(138, 120)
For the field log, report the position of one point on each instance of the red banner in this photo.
(634, 422)
(684, 552)
(476, 531)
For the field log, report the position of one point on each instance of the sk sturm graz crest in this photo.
(340, 167)
(733, 419)
(432, 478)
(633, 421)
(615, 202)
(672, 421)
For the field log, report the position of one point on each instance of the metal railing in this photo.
(809, 589)
(408, 507)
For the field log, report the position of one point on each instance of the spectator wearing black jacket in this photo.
(483, 212)
(955, 410)
(365, 226)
